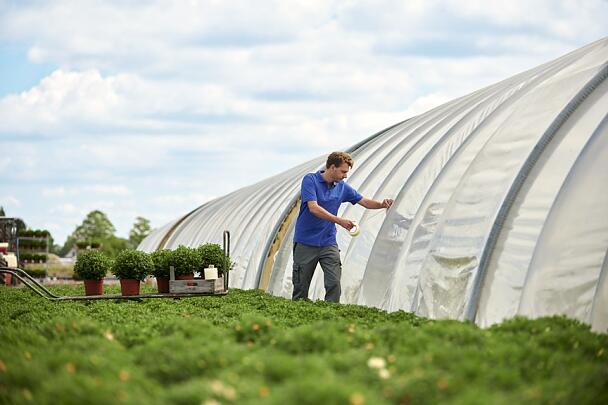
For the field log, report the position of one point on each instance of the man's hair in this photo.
(338, 158)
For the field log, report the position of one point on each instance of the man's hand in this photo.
(346, 223)
(320, 212)
(375, 204)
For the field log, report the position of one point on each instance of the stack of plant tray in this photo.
(195, 286)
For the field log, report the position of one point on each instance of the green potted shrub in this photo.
(26, 257)
(92, 266)
(185, 261)
(25, 244)
(131, 267)
(213, 255)
(82, 244)
(160, 258)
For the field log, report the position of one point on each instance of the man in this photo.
(315, 234)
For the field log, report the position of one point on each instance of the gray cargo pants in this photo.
(305, 259)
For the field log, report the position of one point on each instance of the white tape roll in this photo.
(354, 231)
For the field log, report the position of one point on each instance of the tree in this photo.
(141, 229)
(67, 246)
(96, 226)
(2, 214)
(114, 245)
(21, 226)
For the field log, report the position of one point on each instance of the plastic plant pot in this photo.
(163, 284)
(129, 286)
(93, 287)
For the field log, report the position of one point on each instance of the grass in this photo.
(250, 347)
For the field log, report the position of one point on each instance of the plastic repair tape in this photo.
(354, 231)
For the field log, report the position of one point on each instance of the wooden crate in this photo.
(197, 285)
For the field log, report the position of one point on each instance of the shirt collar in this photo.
(320, 179)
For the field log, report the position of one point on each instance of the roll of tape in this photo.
(354, 231)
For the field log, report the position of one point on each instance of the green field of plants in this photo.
(251, 347)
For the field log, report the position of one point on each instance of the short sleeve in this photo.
(309, 193)
(351, 195)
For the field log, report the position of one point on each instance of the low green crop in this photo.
(251, 347)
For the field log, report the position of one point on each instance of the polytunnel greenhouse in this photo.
(500, 206)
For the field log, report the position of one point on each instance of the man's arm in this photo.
(374, 205)
(320, 212)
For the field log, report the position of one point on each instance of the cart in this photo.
(177, 288)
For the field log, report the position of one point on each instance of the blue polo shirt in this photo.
(314, 231)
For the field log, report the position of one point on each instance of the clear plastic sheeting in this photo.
(599, 311)
(383, 182)
(450, 270)
(400, 250)
(154, 240)
(390, 280)
(567, 263)
(507, 272)
(500, 200)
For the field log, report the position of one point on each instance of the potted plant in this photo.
(92, 266)
(213, 255)
(185, 262)
(160, 258)
(26, 257)
(131, 267)
(25, 244)
(26, 233)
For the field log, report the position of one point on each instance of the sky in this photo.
(151, 108)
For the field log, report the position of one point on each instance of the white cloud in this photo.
(192, 200)
(53, 227)
(112, 189)
(37, 55)
(426, 103)
(5, 163)
(10, 201)
(66, 208)
(107, 189)
(54, 191)
(176, 102)
(63, 101)
(545, 15)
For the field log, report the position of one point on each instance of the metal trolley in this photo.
(178, 288)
